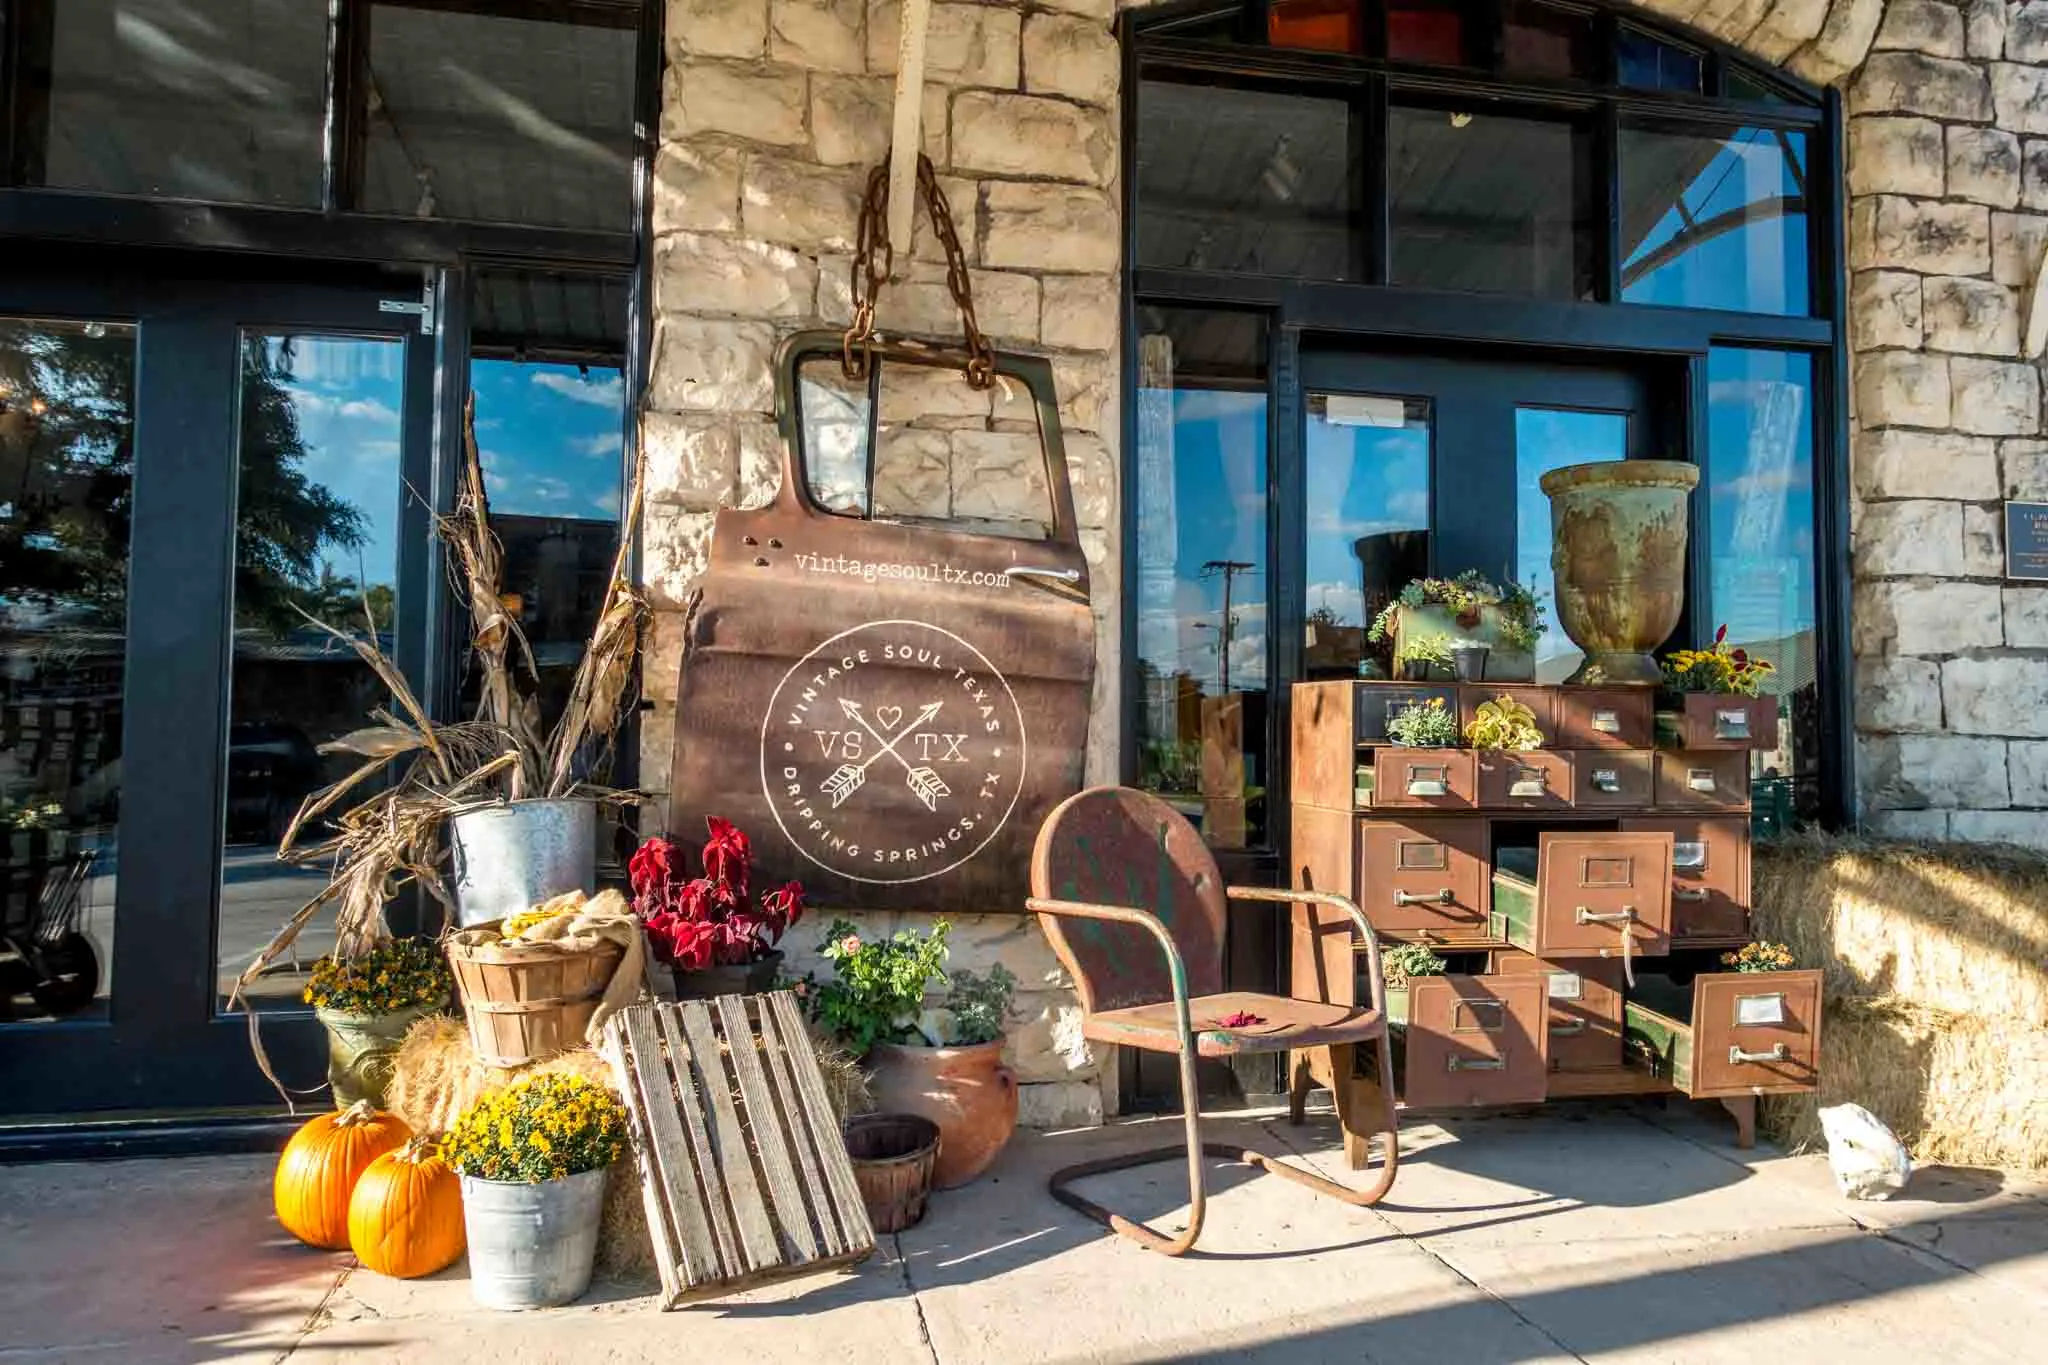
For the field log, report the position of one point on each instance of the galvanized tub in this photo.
(1618, 534)
(512, 856)
(532, 1246)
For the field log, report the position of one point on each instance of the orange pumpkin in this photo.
(318, 1171)
(405, 1218)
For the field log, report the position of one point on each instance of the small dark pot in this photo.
(893, 1156)
(1469, 662)
(751, 978)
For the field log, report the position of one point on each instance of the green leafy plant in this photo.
(1433, 651)
(1424, 725)
(1519, 610)
(1503, 723)
(978, 1005)
(1405, 960)
(879, 990)
(394, 975)
(547, 1127)
(1761, 956)
(1722, 669)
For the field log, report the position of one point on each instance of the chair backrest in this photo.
(1115, 846)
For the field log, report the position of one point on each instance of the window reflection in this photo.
(1367, 484)
(1201, 568)
(1645, 63)
(1319, 25)
(1547, 439)
(67, 394)
(1541, 40)
(1714, 220)
(1760, 486)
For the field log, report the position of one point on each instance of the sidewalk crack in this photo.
(924, 1329)
(316, 1318)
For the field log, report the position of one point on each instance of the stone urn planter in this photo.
(1618, 536)
(362, 1049)
(966, 1091)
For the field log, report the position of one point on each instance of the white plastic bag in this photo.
(1868, 1160)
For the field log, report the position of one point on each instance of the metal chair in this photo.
(1113, 866)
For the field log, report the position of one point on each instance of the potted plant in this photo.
(1715, 695)
(1401, 963)
(367, 1003)
(1761, 956)
(1467, 610)
(1423, 658)
(944, 1063)
(1504, 724)
(1424, 725)
(711, 931)
(532, 1160)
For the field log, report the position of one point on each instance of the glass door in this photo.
(192, 468)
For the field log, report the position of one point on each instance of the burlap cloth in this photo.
(604, 918)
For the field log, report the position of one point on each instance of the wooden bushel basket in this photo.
(526, 1002)
(893, 1158)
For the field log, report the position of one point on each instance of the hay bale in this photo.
(1935, 959)
(436, 1076)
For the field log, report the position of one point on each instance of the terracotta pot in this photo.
(747, 978)
(966, 1091)
(1618, 533)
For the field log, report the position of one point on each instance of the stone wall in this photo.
(773, 112)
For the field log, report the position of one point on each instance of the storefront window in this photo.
(1200, 584)
(1368, 464)
(1714, 220)
(67, 393)
(1759, 482)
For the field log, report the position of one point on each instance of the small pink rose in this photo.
(850, 944)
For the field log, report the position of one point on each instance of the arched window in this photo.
(1390, 261)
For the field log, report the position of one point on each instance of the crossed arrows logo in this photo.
(924, 783)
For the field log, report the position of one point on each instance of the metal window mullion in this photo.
(1607, 171)
(1375, 193)
(1286, 554)
(1831, 569)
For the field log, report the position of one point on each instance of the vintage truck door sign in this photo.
(888, 703)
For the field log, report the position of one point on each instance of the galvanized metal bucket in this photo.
(532, 1246)
(512, 856)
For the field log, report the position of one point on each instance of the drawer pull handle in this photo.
(1778, 1053)
(1700, 779)
(1607, 722)
(1528, 781)
(1731, 724)
(1475, 1063)
(1447, 896)
(1439, 785)
(1607, 780)
(1626, 918)
(1688, 893)
(1689, 856)
(1569, 1026)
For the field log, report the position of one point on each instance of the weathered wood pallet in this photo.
(744, 1172)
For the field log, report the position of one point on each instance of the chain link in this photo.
(874, 259)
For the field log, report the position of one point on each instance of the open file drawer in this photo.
(1585, 1008)
(1729, 1033)
(1463, 1041)
(1580, 894)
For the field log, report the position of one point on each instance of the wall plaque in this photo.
(2026, 540)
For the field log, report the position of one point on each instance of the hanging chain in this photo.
(874, 258)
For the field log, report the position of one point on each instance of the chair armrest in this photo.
(1374, 970)
(1176, 969)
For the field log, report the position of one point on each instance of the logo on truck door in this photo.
(892, 752)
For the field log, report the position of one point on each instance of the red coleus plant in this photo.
(709, 921)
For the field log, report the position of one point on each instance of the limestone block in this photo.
(760, 105)
(999, 476)
(2026, 619)
(818, 35)
(1730, 20)
(1917, 234)
(1907, 824)
(1925, 618)
(1895, 463)
(657, 745)
(2017, 243)
(696, 189)
(1975, 316)
(661, 654)
(711, 365)
(2026, 765)
(760, 471)
(1043, 1039)
(703, 273)
(1895, 154)
(2019, 94)
(2033, 177)
(1918, 536)
(963, 44)
(717, 28)
(913, 473)
(1786, 27)
(797, 204)
(1945, 772)
(1984, 165)
(916, 393)
(1005, 304)
(1050, 227)
(1983, 542)
(1065, 55)
(1091, 470)
(1003, 134)
(1902, 388)
(2025, 466)
(1995, 696)
(835, 290)
(1984, 27)
(1063, 1104)
(2026, 828)
(963, 202)
(1087, 385)
(674, 547)
(1093, 9)
(692, 461)
(1927, 26)
(1909, 83)
(1898, 695)
(2026, 35)
(850, 119)
(1081, 312)
(1995, 397)
(1843, 41)
(1884, 309)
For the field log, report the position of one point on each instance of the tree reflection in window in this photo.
(1714, 220)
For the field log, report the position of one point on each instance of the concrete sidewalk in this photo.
(1594, 1233)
